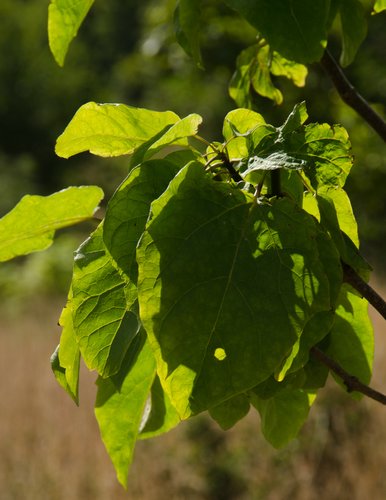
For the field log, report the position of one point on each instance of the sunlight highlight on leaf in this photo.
(64, 20)
(31, 225)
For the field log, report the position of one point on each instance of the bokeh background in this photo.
(126, 52)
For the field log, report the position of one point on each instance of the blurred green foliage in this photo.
(126, 52)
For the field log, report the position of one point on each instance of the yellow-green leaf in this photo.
(64, 20)
(30, 226)
(111, 129)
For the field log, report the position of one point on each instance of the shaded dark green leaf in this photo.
(211, 258)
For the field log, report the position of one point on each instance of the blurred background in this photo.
(126, 52)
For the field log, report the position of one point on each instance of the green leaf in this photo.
(187, 24)
(338, 199)
(321, 323)
(240, 84)
(30, 226)
(351, 340)
(297, 30)
(66, 359)
(104, 307)
(295, 119)
(283, 415)
(128, 211)
(280, 66)
(326, 150)
(354, 29)
(210, 258)
(243, 129)
(119, 410)
(176, 134)
(333, 208)
(254, 67)
(227, 414)
(111, 129)
(379, 6)
(64, 20)
(261, 75)
(274, 161)
(160, 416)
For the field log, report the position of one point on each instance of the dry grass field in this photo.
(51, 450)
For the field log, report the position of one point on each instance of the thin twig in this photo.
(353, 279)
(351, 96)
(352, 383)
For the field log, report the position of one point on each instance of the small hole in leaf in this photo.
(220, 354)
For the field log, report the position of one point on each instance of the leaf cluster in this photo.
(216, 269)
(206, 285)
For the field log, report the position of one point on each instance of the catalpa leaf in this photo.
(105, 316)
(119, 410)
(65, 361)
(160, 416)
(111, 129)
(128, 211)
(243, 130)
(176, 134)
(254, 68)
(30, 226)
(321, 323)
(227, 414)
(325, 149)
(354, 29)
(261, 75)
(64, 20)
(280, 66)
(187, 24)
(379, 6)
(210, 258)
(283, 415)
(333, 208)
(240, 84)
(297, 30)
(295, 119)
(351, 342)
(273, 162)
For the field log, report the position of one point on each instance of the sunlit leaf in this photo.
(243, 130)
(119, 408)
(176, 134)
(104, 307)
(351, 339)
(273, 162)
(326, 150)
(379, 6)
(254, 67)
(128, 211)
(64, 20)
(280, 66)
(240, 84)
(111, 129)
(160, 416)
(295, 119)
(333, 208)
(30, 226)
(66, 359)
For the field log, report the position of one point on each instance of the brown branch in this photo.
(351, 96)
(352, 383)
(353, 279)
